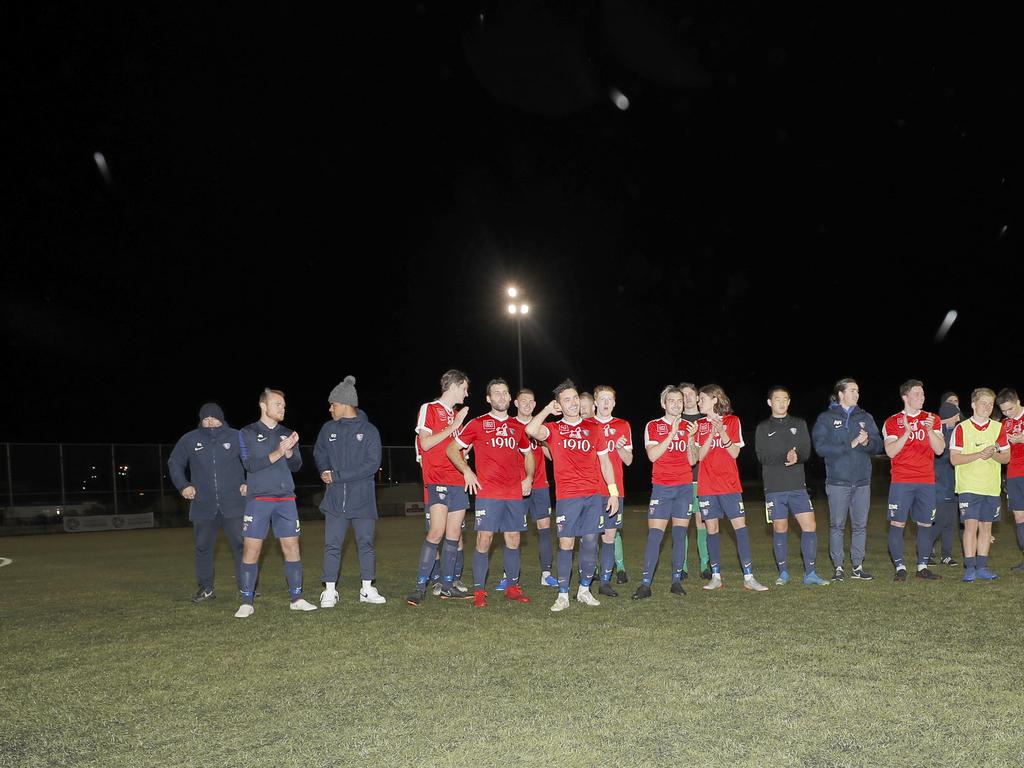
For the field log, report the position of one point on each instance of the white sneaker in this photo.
(715, 583)
(328, 598)
(436, 589)
(561, 603)
(584, 595)
(753, 585)
(371, 595)
(302, 605)
(461, 588)
(244, 611)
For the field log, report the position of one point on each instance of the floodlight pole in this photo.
(519, 342)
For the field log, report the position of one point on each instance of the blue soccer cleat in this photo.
(987, 575)
(547, 580)
(502, 585)
(969, 574)
(814, 579)
(783, 579)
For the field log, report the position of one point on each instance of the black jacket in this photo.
(266, 478)
(350, 449)
(208, 460)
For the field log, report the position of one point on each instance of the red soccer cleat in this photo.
(479, 599)
(515, 592)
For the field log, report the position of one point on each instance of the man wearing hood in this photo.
(206, 469)
(347, 455)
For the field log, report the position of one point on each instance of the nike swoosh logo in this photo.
(771, 434)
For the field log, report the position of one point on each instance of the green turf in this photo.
(105, 662)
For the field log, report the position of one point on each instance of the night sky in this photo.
(290, 197)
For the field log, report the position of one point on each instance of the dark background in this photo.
(790, 197)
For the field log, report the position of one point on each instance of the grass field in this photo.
(105, 662)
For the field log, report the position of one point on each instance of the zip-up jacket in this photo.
(207, 458)
(833, 432)
(773, 441)
(350, 449)
(264, 477)
(945, 473)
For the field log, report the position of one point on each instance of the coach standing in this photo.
(206, 469)
(347, 455)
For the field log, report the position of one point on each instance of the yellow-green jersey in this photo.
(982, 476)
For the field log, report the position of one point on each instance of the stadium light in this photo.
(517, 311)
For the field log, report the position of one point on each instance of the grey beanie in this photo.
(345, 393)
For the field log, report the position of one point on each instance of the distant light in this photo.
(947, 323)
(524, 308)
(512, 309)
(619, 99)
(1002, 232)
(101, 165)
(512, 292)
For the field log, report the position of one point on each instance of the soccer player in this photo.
(576, 451)
(538, 502)
(347, 454)
(692, 415)
(719, 439)
(979, 447)
(1013, 415)
(586, 405)
(270, 454)
(912, 441)
(501, 446)
(846, 436)
(215, 487)
(446, 498)
(672, 451)
(619, 439)
(783, 444)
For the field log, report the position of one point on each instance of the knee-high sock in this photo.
(293, 573)
(654, 536)
(925, 540)
(460, 563)
(588, 558)
(702, 549)
(620, 560)
(1020, 535)
(607, 560)
(435, 569)
(512, 564)
(678, 552)
(780, 542)
(896, 546)
(564, 569)
(428, 563)
(686, 550)
(809, 549)
(248, 573)
(544, 549)
(480, 564)
(743, 549)
(449, 550)
(714, 553)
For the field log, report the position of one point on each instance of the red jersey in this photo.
(437, 469)
(957, 439)
(498, 445)
(718, 472)
(673, 468)
(611, 431)
(574, 450)
(540, 471)
(916, 462)
(1016, 465)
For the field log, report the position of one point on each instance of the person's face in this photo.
(673, 404)
(211, 423)
(569, 402)
(335, 409)
(706, 403)
(586, 405)
(849, 396)
(689, 399)
(499, 398)
(954, 400)
(604, 404)
(914, 399)
(779, 403)
(983, 407)
(461, 392)
(274, 407)
(525, 404)
(1010, 408)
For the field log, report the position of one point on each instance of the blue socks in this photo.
(480, 569)
(983, 561)
(896, 546)
(925, 539)
(544, 549)
(678, 551)
(247, 573)
(970, 562)
(714, 553)
(588, 558)
(607, 561)
(293, 573)
(428, 563)
(780, 543)
(564, 569)
(1020, 535)
(654, 537)
(449, 551)
(460, 563)
(512, 564)
(808, 548)
(743, 548)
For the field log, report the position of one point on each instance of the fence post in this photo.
(113, 469)
(10, 477)
(63, 491)
(391, 469)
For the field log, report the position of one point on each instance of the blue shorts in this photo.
(974, 506)
(500, 515)
(538, 503)
(915, 499)
(261, 514)
(452, 496)
(612, 523)
(779, 506)
(1015, 493)
(579, 516)
(721, 505)
(671, 501)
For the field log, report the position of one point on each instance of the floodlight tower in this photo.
(518, 311)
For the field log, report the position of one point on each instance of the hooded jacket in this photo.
(208, 459)
(833, 432)
(350, 449)
(263, 477)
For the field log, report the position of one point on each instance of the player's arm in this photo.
(874, 443)
(894, 443)
(803, 442)
(536, 428)
(530, 468)
(609, 477)
(730, 445)
(935, 438)
(295, 459)
(454, 454)
(321, 457)
(429, 438)
(177, 463)
(624, 447)
(656, 450)
(956, 449)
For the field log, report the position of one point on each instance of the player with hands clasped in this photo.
(1013, 419)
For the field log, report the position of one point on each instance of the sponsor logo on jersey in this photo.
(501, 431)
(488, 423)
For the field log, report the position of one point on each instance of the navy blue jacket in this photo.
(266, 478)
(832, 434)
(350, 449)
(945, 473)
(207, 458)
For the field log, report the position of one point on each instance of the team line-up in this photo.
(942, 465)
